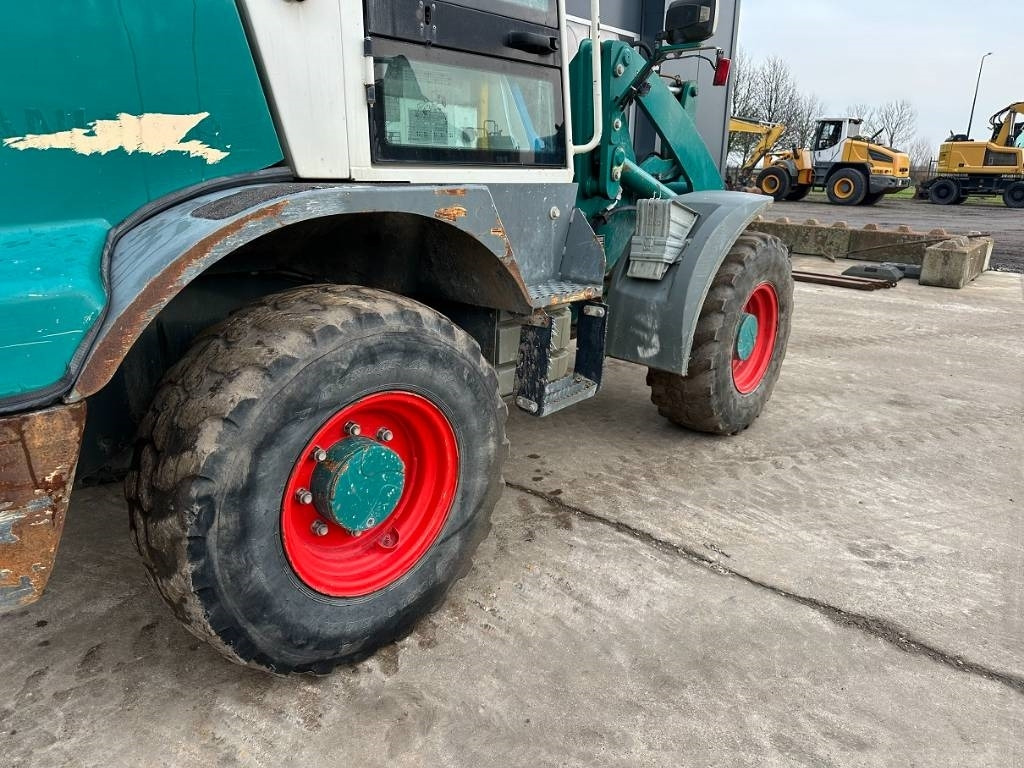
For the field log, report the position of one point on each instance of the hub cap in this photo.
(358, 512)
(755, 338)
(843, 189)
(359, 484)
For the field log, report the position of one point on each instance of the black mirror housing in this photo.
(690, 21)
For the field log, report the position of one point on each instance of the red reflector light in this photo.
(722, 67)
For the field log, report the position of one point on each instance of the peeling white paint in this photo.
(152, 133)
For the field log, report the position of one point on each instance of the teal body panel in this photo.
(105, 106)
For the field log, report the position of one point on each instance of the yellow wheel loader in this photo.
(993, 167)
(852, 169)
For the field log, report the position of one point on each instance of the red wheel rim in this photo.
(340, 564)
(763, 304)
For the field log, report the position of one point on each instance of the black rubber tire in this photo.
(214, 453)
(872, 197)
(799, 192)
(1013, 195)
(961, 200)
(706, 398)
(774, 174)
(856, 178)
(944, 192)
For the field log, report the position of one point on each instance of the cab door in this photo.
(828, 141)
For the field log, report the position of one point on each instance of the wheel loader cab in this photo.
(457, 92)
(829, 137)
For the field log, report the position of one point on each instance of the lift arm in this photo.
(770, 133)
(1002, 123)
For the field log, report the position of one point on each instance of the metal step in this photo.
(535, 392)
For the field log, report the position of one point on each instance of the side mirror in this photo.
(690, 21)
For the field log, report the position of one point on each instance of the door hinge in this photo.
(368, 78)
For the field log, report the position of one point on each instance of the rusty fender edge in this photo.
(38, 455)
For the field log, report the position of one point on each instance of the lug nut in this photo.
(389, 540)
(385, 435)
(352, 429)
(318, 454)
(304, 496)
(319, 528)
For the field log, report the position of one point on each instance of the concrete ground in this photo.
(841, 585)
(987, 215)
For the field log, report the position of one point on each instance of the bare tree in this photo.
(741, 102)
(775, 95)
(898, 121)
(809, 111)
(921, 152)
(766, 92)
(868, 114)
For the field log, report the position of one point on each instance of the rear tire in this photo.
(872, 197)
(799, 192)
(944, 192)
(721, 393)
(210, 489)
(774, 181)
(1013, 195)
(847, 186)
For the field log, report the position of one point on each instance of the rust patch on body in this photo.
(38, 455)
(450, 214)
(451, 191)
(113, 345)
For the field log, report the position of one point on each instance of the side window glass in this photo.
(828, 135)
(464, 108)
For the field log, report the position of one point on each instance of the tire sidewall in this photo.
(783, 178)
(246, 565)
(770, 264)
(1013, 196)
(859, 187)
(947, 199)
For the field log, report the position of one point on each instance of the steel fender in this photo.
(154, 261)
(652, 322)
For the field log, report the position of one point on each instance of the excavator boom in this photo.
(770, 133)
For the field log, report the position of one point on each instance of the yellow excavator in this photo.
(993, 167)
(852, 169)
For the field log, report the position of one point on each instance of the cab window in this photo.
(828, 134)
(441, 107)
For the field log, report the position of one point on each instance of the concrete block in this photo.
(955, 262)
(808, 239)
(875, 244)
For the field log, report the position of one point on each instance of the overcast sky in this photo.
(869, 51)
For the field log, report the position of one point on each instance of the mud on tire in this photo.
(707, 399)
(214, 453)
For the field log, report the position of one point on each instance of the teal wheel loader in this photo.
(284, 265)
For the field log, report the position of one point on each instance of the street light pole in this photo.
(976, 86)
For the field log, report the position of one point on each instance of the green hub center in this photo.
(746, 336)
(359, 484)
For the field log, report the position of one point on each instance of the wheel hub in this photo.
(746, 336)
(358, 484)
(755, 338)
(369, 493)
